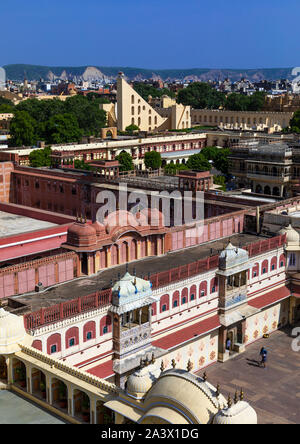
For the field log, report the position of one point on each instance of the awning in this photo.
(190, 332)
(270, 298)
(238, 315)
(124, 409)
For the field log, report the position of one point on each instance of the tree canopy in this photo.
(62, 128)
(125, 161)
(83, 113)
(201, 95)
(152, 160)
(23, 129)
(198, 162)
(40, 158)
(295, 122)
(145, 90)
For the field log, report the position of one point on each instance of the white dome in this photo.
(240, 413)
(292, 235)
(141, 381)
(12, 333)
(232, 256)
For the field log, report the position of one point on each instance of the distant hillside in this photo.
(35, 72)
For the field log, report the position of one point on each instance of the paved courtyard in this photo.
(16, 410)
(274, 392)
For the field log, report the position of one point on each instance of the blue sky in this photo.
(151, 34)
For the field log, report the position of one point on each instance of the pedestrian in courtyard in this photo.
(263, 354)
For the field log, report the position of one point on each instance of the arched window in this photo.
(274, 263)
(132, 110)
(193, 292)
(72, 337)
(214, 285)
(203, 289)
(264, 267)
(105, 325)
(37, 344)
(132, 99)
(175, 299)
(255, 270)
(184, 296)
(282, 260)
(54, 343)
(164, 303)
(89, 331)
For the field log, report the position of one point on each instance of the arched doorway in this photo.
(267, 190)
(82, 405)
(19, 374)
(38, 379)
(258, 189)
(3, 369)
(59, 395)
(276, 191)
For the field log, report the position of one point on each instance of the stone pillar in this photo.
(108, 257)
(49, 394)
(138, 252)
(9, 366)
(70, 401)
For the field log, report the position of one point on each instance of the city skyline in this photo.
(159, 36)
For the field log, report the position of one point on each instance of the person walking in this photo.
(263, 354)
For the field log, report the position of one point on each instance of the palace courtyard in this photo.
(274, 391)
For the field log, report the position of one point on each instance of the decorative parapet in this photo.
(70, 370)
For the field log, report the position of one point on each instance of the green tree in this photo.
(89, 116)
(198, 162)
(201, 95)
(125, 161)
(40, 158)
(62, 128)
(295, 122)
(220, 180)
(152, 160)
(221, 161)
(210, 152)
(145, 90)
(23, 129)
(131, 129)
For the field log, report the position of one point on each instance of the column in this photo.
(140, 316)
(70, 401)
(49, 394)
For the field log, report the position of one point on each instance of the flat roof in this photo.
(88, 285)
(11, 224)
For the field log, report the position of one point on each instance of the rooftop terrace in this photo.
(155, 266)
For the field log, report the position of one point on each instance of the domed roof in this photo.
(99, 228)
(12, 333)
(292, 236)
(120, 218)
(240, 413)
(81, 235)
(195, 400)
(141, 381)
(232, 256)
